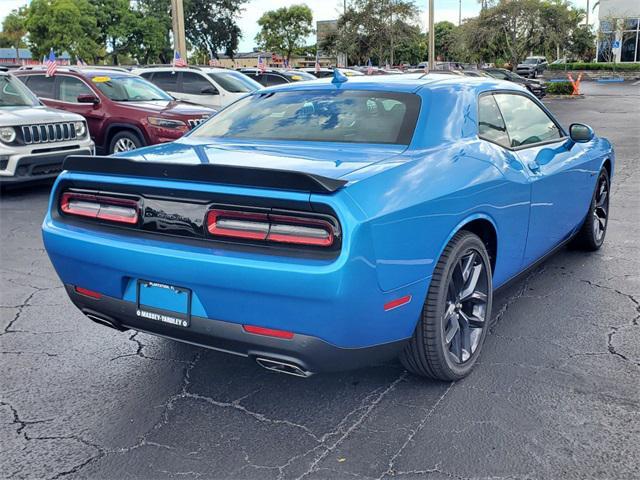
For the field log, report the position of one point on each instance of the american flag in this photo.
(369, 67)
(317, 65)
(262, 67)
(80, 62)
(178, 61)
(51, 64)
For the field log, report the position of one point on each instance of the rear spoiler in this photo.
(207, 173)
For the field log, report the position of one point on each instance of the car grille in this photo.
(47, 133)
(194, 122)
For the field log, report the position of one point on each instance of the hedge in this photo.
(628, 67)
(559, 88)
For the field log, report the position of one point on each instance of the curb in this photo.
(563, 97)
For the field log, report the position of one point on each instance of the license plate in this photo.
(164, 303)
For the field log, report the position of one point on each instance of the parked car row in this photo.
(110, 110)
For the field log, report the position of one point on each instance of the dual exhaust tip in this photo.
(270, 364)
(283, 367)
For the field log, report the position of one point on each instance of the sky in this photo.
(322, 10)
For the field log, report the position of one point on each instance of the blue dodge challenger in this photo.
(332, 224)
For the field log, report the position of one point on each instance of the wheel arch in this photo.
(484, 227)
(115, 128)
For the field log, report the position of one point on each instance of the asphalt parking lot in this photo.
(556, 395)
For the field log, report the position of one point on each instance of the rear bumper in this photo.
(310, 353)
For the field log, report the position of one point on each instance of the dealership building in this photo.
(619, 31)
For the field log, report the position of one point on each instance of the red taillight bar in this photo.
(398, 302)
(269, 332)
(269, 227)
(101, 207)
(88, 293)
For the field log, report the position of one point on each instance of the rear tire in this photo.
(594, 229)
(455, 318)
(124, 141)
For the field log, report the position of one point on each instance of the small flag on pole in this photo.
(178, 61)
(317, 65)
(369, 67)
(261, 64)
(51, 64)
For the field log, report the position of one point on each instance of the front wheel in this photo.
(455, 318)
(593, 230)
(124, 141)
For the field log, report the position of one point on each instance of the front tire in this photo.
(455, 318)
(593, 230)
(124, 141)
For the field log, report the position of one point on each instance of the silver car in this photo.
(34, 139)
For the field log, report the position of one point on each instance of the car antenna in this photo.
(339, 77)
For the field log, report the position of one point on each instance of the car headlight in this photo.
(80, 128)
(166, 123)
(7, 134)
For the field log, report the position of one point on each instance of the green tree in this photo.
(116, 23)
(285, 29)
(64, 25)
(375, 28)
(446, 40)
(151, 40)
(211, 26)
(582, 45)
(14, 30)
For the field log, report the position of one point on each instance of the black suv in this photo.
(275, 76)
(536, 87)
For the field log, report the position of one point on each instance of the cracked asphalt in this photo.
(556, 394)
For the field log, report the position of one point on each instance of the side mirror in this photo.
(209, 91)
(581, 133)
(87, 98)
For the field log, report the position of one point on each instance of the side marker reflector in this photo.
(268, 332)
(88, 293)
(398, 302)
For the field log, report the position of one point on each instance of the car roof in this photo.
(409, 82)
(79, 71)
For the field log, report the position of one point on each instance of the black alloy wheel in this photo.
(594, 229)
(455, 318)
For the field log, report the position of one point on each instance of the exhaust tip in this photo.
(283, 367)
(104, 321)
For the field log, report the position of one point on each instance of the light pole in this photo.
(177, 19)
(432, 38)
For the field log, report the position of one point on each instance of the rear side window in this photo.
(526, 122)
(70, 88)
(194, 84)
(491, 126)
(319, 116)
(166, 80)
(41, 85)
(273, 79)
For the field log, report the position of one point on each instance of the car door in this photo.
(66, 92)
(195, 88)
(558, 172)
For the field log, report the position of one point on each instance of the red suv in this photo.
(123, 111)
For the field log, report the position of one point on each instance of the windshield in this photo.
(129, 89)
(531, 61)
(319, 116)
(14, 94)
(235, 82)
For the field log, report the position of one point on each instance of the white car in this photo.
(34, 139)
(208, 86)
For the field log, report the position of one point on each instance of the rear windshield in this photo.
(319, 116)
(235, 82)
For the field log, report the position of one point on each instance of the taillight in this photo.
(270, 227)
(120, 210)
